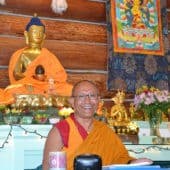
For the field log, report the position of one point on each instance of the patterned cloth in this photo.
(130, 71)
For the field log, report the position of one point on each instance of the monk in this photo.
(80, 133)
(35, 70)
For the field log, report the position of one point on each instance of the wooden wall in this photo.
(78, 37)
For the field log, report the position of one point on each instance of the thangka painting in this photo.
(130, 71)
(136, 26)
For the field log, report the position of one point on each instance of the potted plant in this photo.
(2, 111)
(11, 115)
(53, 115)
(26, 117)
(40, 116)
(153, 102)
(65, 111)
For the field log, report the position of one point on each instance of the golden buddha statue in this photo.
(118, 118)
(118, 113)
(26, 64)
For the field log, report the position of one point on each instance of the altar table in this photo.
(21, 146)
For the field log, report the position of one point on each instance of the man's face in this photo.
(85, 100)
(36, 34)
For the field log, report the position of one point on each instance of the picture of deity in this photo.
(137, 26)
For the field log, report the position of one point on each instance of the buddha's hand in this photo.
(29, 88)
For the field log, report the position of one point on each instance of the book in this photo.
(138, 166)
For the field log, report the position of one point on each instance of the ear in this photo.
(26, 37)
(44, 36)
(71, 101)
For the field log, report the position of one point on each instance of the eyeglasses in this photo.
(90, 96)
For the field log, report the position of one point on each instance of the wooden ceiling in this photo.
(83, 10)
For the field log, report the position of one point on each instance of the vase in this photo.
(26, 119)
(54, 120)
(154, 123)
(10, 119)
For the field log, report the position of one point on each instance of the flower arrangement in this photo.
(12, 111)
(65, 111)
(152, 101)
(10, 115)
(40, 116)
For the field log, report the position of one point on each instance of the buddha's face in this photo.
(36, 34)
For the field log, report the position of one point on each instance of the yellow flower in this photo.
(65, 111)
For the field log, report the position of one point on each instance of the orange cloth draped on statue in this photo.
(101, 141)
(28, 85)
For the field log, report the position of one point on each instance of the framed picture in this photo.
(136, 26)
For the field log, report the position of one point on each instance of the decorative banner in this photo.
(136, 26)
(129, 71)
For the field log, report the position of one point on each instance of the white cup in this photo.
(57, 160)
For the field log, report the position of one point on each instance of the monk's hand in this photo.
(142, 161)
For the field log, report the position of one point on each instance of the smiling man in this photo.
(80, 133)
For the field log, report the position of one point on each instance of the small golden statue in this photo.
(118, 111)
(101, 113)
(118, 118)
